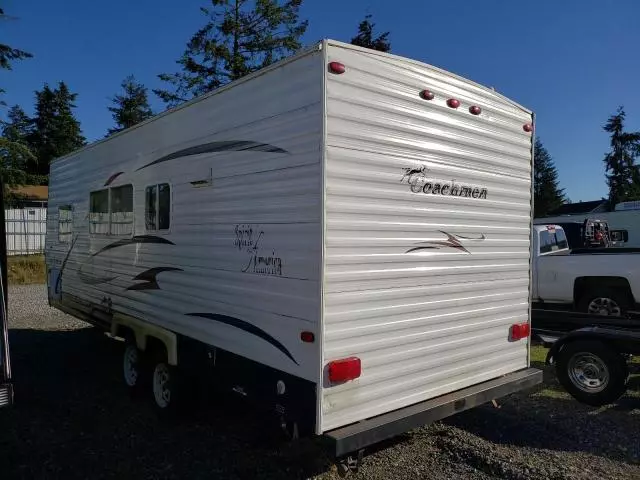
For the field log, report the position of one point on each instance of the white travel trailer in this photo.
(344, 236)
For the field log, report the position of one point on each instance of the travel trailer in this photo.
(6, 385)
(343, 236)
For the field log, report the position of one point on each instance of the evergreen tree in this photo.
(623, 175)
(131, 107)
(548, 196)
(365, 37)
(15, 153)
(56, 131)
(239, 37)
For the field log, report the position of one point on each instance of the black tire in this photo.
(134, 370)
(586, 384)
(166, 391)
(618, 297)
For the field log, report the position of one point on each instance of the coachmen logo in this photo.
(419, 182)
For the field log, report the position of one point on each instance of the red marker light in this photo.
(527, 127)
(519, 331)
(344, 370)
(475, 110)
(307, 337)
(453, 103)
(427, 95)
(337, 68)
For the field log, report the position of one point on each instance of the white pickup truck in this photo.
(603, 281)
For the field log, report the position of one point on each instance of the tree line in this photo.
(239, 37)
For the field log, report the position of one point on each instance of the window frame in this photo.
(69, 208)
(109, 212)
(157, 209)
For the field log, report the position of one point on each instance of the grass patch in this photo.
(538, 354)
(26, 270)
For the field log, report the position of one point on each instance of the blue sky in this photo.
(571, 61)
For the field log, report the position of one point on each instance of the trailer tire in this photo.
(592, 372)
(165, 386)
(133, 366)
(605, 301)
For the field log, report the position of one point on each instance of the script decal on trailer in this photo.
(419, 182)
(248, 238)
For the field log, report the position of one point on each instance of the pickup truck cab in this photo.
(599, 281)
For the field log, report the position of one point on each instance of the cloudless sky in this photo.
(573, 62)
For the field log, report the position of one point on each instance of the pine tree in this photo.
(239, 37)
(15, 154)
(623, 175)
(365, 37)
(56, 131)
(548, 195)
(130, 107)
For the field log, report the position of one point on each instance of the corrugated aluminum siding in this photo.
(272, 194)
(433, 320)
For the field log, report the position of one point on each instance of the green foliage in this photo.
(547, 193)
(623, 175)
(56, 130)
(365, 37)
(15, 153)
(239, 37)
(131, 107)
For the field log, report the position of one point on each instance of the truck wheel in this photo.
(132, 366)
(592, 372)
(604, 302)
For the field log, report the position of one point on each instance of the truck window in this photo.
(552, 241)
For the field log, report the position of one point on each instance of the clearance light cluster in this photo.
(345, 369)
(338, 68)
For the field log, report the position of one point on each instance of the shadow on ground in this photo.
(74, 419)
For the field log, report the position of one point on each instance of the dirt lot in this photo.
(73, 420)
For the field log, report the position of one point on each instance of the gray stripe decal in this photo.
(213, 147)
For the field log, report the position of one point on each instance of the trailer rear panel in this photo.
(427, 229)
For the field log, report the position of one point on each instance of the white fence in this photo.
(26, 230)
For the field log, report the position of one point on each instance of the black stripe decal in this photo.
(133, 240)
(149, 277)
(247, 327)
(213, 147)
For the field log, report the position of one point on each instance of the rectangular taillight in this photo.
(344, 370)
(519, 331)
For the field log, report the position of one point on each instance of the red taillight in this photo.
(527, 127)
(337, 67)
(453, 103)
(307, 337)
(475, 110)
(427, 95)
(519, 331)
(344, 370)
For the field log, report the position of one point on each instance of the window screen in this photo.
(99, 212)
(122, 210)
(65, 224)
(158, 207)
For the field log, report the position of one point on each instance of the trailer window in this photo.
(122, 210)
(99, 212)
(552, 241)
(65, 224)
(157, 210)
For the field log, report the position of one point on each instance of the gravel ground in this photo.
(73, 419)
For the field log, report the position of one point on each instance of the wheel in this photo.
(604, 302)
(592, 372)
(165, 388)
(132, 368)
